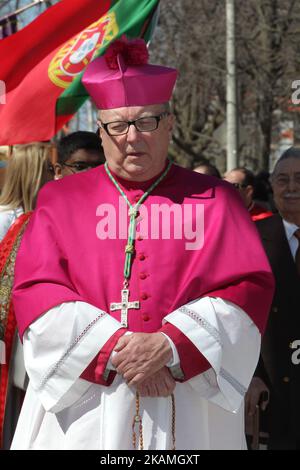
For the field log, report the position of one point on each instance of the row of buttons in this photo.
(143, 275)
(142, 257)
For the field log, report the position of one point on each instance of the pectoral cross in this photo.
(124, 306)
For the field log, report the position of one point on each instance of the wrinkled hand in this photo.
(256, 388)
(160, 384)
(141, 355)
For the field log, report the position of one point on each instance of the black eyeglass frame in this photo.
(89, 166)
(158, 118)
(239, 185)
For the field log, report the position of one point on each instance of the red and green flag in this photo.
(42, 65)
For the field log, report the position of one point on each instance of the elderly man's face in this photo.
(286, 187)
(136, 156)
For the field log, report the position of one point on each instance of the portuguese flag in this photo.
(42, 65)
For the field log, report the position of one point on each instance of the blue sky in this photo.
(27, 16)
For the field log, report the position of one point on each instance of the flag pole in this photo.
(154, 12)
(231, 93)
(20, 10)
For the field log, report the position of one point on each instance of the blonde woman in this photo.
(4, 152)
(26, 174)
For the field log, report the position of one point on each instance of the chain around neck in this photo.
(133, 213)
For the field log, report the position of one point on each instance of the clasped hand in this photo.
(141, 360)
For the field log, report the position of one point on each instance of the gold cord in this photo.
(137, 420)
(173, 422)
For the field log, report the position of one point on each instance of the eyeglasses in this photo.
(239, 185)
(143, 124)
(80, 166)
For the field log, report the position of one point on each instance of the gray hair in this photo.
(292, 152)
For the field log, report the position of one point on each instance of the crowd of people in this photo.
(117, 337)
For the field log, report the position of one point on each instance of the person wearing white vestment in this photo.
(139, 331)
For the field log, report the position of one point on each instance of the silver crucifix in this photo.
(124, 306)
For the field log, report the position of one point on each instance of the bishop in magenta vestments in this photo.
(148, 338)
(71, 265)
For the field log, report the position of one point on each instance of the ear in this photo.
(171, 123)
(101, 133)
(57, 171)
(250, 191)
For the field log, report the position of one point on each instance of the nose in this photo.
(292, 185)
(133, 133)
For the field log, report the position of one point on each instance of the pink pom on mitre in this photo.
(133, 52)
(111, 55)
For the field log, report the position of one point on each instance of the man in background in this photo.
(244, 181)
(208, 169)
(279, 365)
(79, 151)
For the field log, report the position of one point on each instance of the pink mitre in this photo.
(123, 77)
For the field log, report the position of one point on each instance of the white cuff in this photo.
(174, 361)
(56, 352)
(228, 339)
(109, 363)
